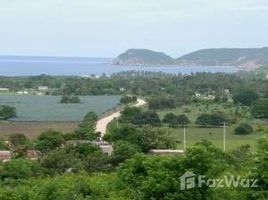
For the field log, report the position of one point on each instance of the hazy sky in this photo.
(108, 27)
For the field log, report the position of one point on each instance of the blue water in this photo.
(23, 66)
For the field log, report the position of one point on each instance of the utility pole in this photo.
(117, 122)
(184, 138)
(224, 136)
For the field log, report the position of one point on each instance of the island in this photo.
(143, 57)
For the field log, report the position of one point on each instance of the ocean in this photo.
(25, 66)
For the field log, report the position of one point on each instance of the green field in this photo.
(195, 134)
(215, 135)
(48, 108)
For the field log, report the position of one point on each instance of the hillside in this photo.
(248, 58)
(143, 57)
(261, 72)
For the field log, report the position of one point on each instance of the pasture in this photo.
(32, 108)
(195, 134)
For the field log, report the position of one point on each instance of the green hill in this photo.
(248, 58)
(261, 72)
(143, 57)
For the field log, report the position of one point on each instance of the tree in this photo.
(128, 99)
(18, 140)
(171, 119)
(70, 99)
(156, 138)
(260, 169)
(49, 140)
(183, 120)
(87, 127)
(214, 119)
(123, 150)
(246, 98)
(20, 169)
(129, 113)
(161, 102)
(243, 129)
(3, 145)
(19, 143)
(61, 160)
(145, 137)
(260, 109)
(147, 117)
(7, 112)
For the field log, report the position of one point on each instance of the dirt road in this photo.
(103, 122)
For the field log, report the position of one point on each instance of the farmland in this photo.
(33, 129)
(48, 109)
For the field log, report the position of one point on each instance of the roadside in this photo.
(103, 122)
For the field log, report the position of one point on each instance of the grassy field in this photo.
(195, 134)
(33, 129)
(215, 135)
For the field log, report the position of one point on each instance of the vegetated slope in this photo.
(248, 58)
(262, 72)
(143, 57)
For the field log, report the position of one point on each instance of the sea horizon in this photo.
(82, 66)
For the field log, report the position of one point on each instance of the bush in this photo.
(260, 109)
(70, 99)
(128, 99)
(147, 117)
(49, 140)
(161, 103)
(246, 98)
(214, 119)
(243, 129)
(174, 120)
(7, 112)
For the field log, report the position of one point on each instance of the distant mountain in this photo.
(143, 57)
(248, 58)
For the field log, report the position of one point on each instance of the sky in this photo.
(106, 28)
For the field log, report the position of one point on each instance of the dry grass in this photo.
(33, 129)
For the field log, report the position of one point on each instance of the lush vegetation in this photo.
(72, 166)
(128, 99)
(84, 172)
(243, 129)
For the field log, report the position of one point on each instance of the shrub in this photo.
(128, 99)
(243, 129)
(7, 112)
(70, 99)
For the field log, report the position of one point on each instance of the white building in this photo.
(4, 89)
(43, 88)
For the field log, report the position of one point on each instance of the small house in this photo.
(104, 146)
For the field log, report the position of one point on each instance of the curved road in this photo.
(103, 122)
